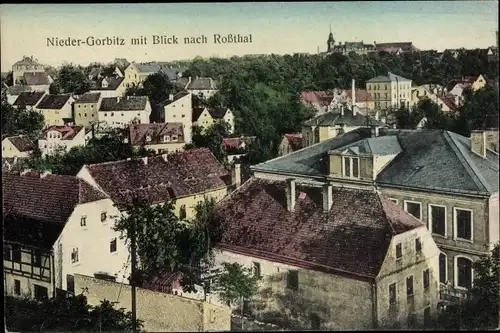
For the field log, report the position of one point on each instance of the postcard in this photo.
(173, 167)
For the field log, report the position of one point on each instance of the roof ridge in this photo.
(387, 219)
(476, 176)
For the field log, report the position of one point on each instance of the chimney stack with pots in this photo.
(374, 131)
(327, 197)
(478, 143)
(171, 97)
(290, 194)
(342, 110)
(237, 174)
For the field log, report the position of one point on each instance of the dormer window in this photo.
(104, 83)
(174, 138)
(166, 138)
(350, 167)
(148, 138)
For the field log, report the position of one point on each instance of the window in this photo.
(409, 286)
(83, 221)
(293, 280)
(463, 223)
(182, 212)
(315, 322)
(112, 245)
(443, 268)
(396, 201)
(74, 256)
(79, 115)
(351, 167)
(399, 251)
(414, 208)
(36, 258)
(103, 216)
(105, 115)
(16, 253)
(426, 279)
(17, 287)
(463, 274)
(392, 294)
(256, 270)
(41, 293)
(437, 217)
(85, 115)
(70, 283)
(412, 320)
(418, 245)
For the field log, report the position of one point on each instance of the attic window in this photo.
(148, 138)
(399, 251)
(166, 138)
(351, 167)
(174, 137)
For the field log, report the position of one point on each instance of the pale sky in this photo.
(275, 27)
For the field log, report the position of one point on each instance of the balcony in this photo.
(449, 294)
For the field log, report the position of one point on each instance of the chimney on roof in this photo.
(377, 115)
(327, 197)
(478, 142)
(341, 110)
(374, 131)
(236, 174)
(118, 100)
(165, 157)
(171, 97)
(145, 160)
(290, 194)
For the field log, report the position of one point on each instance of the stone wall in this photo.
(160, 312)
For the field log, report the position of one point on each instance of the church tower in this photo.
(330, 42)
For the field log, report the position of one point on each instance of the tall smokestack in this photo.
(290, 194)
(353, 97)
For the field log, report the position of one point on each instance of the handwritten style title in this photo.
(145, 40)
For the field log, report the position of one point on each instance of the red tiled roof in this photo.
(50, 199)
(322, 98)
(160, 178)
(361, 95)
(237, 142)
(352, 239)
(295, 140)
(137, 133)
(449, 102)
(68, 132)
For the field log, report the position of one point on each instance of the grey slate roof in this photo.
(88, 98)
(129, 103)
(17, 89)
(380, 146)
(36, 78)
(430, 159)
(53, 102)
(336, 118)
(390, 77)
(178, 96)
(202, 83)
(29, 98)
(113, 83)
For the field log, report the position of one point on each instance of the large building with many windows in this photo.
(389, 91)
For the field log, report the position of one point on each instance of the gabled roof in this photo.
(67, 132)
(361, 95)
(138, 132)
(26, 61)
(129, 103)
(178, 96)
(352, 239)
(197, 113)
(113, 83)
(88, 98)
(217, 113)
(161, 178)
(36, 78)
(378, 146)
(434, 160)
(202, 83)
(22, 143)
(405, 46)
(17, 89)
(29, 98)
(449, 103)
(34, 205)
(235, 143)
(336, 118)
(53, 102)
(323, 98)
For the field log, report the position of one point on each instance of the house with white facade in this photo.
(118, 112)
(178, 109)
(205, 117)
(61, 138)
(204, 87)
(19, 146)
(56, 226)
(28, 99)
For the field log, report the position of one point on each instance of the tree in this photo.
(480, 310)
(481, 108)
(69, 80)
(211, 138)
(157, 87)
(65, 314)
(16, 121)
(235, 284)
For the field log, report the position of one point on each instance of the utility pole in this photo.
(133, 277)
